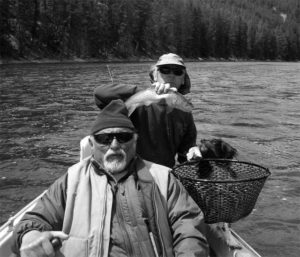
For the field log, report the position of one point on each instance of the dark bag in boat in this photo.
(225, 190)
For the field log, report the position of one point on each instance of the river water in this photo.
(47, 108)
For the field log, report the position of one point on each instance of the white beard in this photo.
(113, 163)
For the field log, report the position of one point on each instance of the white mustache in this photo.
(112, 153)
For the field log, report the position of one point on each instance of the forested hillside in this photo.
(229, 29)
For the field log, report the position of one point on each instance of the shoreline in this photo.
(8, 61)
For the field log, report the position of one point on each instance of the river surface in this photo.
(45, 109)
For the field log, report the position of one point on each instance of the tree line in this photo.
(229, 29)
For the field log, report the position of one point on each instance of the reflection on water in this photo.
(47, 108)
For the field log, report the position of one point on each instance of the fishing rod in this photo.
(110, 74)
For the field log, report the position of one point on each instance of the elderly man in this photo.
(114, 203)
(164, 132)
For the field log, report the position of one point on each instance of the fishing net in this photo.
(225, 190)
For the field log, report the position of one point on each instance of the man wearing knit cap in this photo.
(114, 203)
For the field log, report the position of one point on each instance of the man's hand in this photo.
(194, 153)
(38, 244)
(163, 88)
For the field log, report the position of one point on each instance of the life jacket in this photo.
(89, 202)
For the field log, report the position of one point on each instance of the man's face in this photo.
(173, 74)
(114, 148)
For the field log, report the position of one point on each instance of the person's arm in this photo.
(189, 139)
(47, 215)
(185, 218)
(105, 93)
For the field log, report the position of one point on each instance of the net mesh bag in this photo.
(225, 190)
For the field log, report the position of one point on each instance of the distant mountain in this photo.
(222, 29)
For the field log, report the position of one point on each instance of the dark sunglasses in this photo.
(107, 138)
(168, 70)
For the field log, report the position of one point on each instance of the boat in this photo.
(6, 230)
(218, 247)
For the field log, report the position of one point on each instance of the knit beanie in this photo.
(115, 114)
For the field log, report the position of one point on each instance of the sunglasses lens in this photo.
(178, 72)
(167, 70)
(124, 137)
(103, 139)
(106, 139)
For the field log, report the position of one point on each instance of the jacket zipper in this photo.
(127, 241)
(157, 224)
(101, 230)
